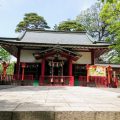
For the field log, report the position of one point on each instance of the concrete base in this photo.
(59, 103)
(66, 115)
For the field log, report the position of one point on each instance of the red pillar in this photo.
(92, 56)
(109, 77)
(23, 70)
(18, 64)
(70, 67)
(87, 67)
(42, 71)
(71, 83)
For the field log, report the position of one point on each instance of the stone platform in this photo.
(59, 103)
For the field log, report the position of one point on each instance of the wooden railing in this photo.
(97, 81)
(115, 82)
(82, 80)
(26, 77)
(7, 80)
(57, 80)
(14, 80)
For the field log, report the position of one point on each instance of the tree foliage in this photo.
(69, 25)
(31, 21)
(10, 69)
(90, 18)
(111, 15)
(4, 55)
(107, 1)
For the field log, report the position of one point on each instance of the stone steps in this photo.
(59, 115)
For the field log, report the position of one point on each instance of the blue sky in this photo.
(54, 11)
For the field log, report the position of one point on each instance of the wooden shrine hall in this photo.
(53, 57)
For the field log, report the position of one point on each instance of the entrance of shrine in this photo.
(54, 68)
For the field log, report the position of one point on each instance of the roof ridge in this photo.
(90, 38)
(55, 31)
(9, 38)
(21, 35)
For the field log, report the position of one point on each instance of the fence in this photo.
(94, 81)
(57, 80)
(97, 81)
(14, 80)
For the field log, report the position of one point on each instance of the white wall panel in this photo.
(85, 59)
(27, 56)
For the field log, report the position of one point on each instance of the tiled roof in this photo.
(55, 37)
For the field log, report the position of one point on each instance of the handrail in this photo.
(56, 80)
(98, 81)
(14, 77)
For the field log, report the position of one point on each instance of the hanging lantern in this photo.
(50, 64)
(51, 80)
(53, 64)
(56, 64)
(36, 55)
(62, 62)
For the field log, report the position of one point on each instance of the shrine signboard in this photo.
(95, 70)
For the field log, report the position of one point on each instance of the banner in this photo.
(94, 70)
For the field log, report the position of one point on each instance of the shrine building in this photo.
(53, 57)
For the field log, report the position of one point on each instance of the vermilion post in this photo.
(42, 70)
(92, 57)
(70, 73)
(23, 69)
(87, 67)
(70, 67)
(109, 74)
(18, 63)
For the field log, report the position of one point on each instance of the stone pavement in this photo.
(59, 103)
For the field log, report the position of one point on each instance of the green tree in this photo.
(55, 27)
(31, 21)
(4, 55)
(111, 15)
(69, 25)
(10, 69)
(107, 1)
(92, 22)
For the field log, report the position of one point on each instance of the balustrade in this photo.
(57, 80)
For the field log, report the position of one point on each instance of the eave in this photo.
(23, 44)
